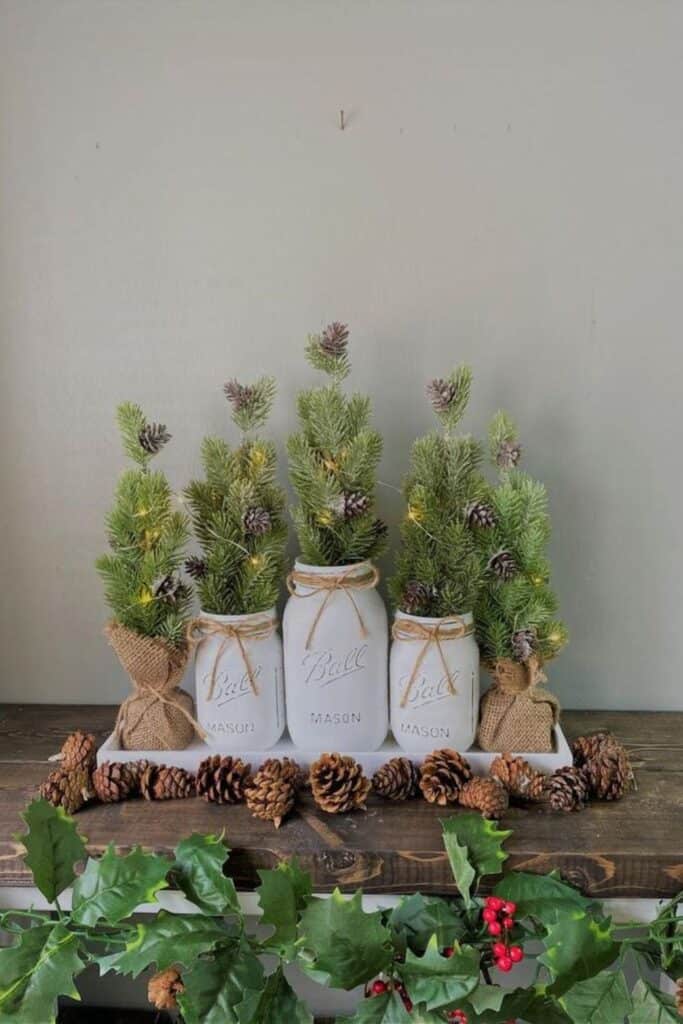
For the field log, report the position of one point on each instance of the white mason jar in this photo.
(239, 680)
(336, 654)
(434, 682)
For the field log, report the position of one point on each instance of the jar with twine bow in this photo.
(336, 649)
(239, 679)
(434, 682)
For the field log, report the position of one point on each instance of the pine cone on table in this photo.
(271, 792)
(222, 780)
(398, 779)
(442, 776)
(566, 789)
(478, 513)
(78, 751)
(113, 782)
(338, 784)
(137, 770)
(69, 790)
(163, 988)
(486, 795)
(503, 565)
(606, 764)
(161, 782)
(518, 777)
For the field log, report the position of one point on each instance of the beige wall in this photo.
(178, 204)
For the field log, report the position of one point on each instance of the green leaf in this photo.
(602, 999)
(283, 894)
(167, 939)
(545, 897)
(650, 1006)
(112, 887)
(215, 988)
(36, 971)
(198, 871)
(493, 1005)
(53, 846)
(475, 848)
(578, 947)
(278, 1003)
(340, 943)
(417, 918)
(387, 1009)
(436, 980)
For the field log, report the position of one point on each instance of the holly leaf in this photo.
(34, 972)
(545, 897)
(387, 1009)
(164, 940)
(53, 847)
(112, 887)
(216, 987)
(198, 871)
(492, 1005)
(278, 1003)
(417, 918)
(602, 999)
(340, 944)
(475, 848)
(437, 980)
(578, 947)
(282, 895)
(650, 1006)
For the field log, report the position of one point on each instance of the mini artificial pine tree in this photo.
(333, 462)
(516, 614)
(439, 568)
(238, 512)
(147, 536)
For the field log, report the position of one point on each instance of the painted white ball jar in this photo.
(434, 686)
(239, 680)
(336, 658)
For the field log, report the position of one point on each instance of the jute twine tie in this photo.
(344, 582)
(123, 722)
(516, 678)
(201, 629)
(452, 628)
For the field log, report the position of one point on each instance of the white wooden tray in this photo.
(371, 761)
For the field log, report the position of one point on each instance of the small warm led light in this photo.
(256, 561)
(414, 514)
(325, 518)
(258, 456)
(330, 465)
(554, 638)
(146, 596)
(141, 512)
(537, 580)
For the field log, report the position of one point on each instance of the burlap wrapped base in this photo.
(517, 713)
(157, 715)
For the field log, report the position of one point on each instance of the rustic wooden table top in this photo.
(633, 848)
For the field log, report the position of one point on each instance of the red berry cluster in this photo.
(379, 987)
(499, 916)
(457, 1016)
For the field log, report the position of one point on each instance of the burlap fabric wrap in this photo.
(517, 713)
(157, 715)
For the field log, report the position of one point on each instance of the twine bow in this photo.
(452, 628)
(201, 629)
(345, 582)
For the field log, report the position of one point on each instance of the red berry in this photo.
(499, 949)
(516, 954)
(495, 928)
(509, 907)
(508, 922)
(489, 915)
(495, 903)
(504, 963)
(379, 987)
(448, 951)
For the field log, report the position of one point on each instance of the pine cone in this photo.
(69, 790)
(170, 589)
(153, 437)
(159, 782)
(509, 454)
(398, 779)
(195, 567)
(523, 644)
(503, 565)
(486, 795)
(416, 597)
(338, 784)
(113, 782)
(163, 988)
(606, 764)
(352, 504)
(442, 776)
(566, 789)
(379, 529)
(478, 513)
(257, 521)
(239, 395)
(137, 769)
(222, 780)
(441, 394)
(518, 777)
(271, 792)
(78, 751)
(334, 339)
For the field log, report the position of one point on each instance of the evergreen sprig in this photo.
(439, 567)
(333, 463)
(238, 513)
(147, 537)
(517, 615)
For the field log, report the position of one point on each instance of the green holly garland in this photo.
(427, 960)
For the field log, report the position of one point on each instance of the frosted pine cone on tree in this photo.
(169, 589)
(479, 514)
(523, 644)
(352, 504)
(334, 339)
(239, 395)
(153, 437)
(508, 455)
(441, 393)
(257, 521)
(195, 567)
(416, 597)
(503, 565)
